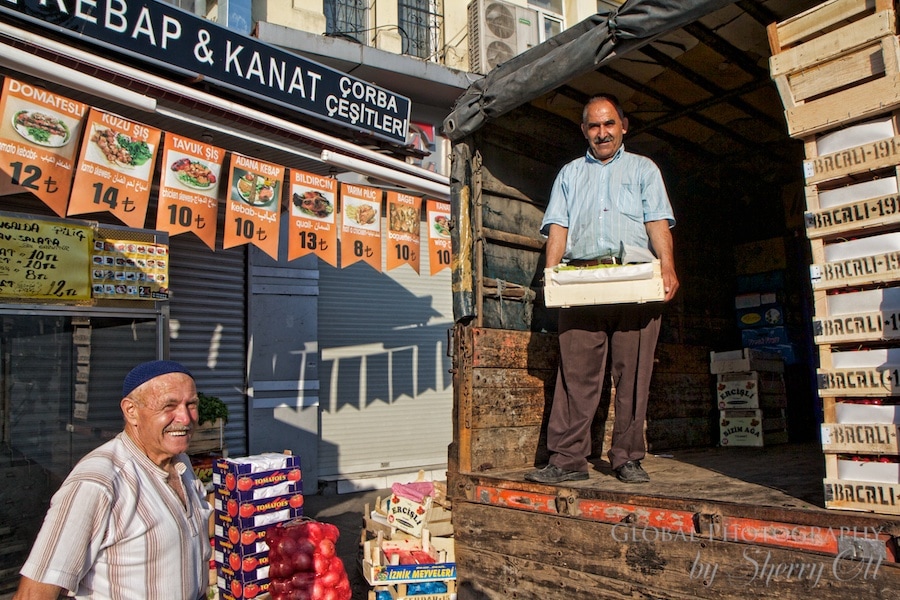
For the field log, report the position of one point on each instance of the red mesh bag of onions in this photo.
(303, 564)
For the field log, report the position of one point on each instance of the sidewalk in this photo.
(346, 512)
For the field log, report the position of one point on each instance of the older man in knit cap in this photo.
(131, 520)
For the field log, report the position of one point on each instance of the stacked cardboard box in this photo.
(251, 494)
(750, 397)
(765, 317)
(837, 69)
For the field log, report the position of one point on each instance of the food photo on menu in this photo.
(116, 149)
(361, 214)
(42, 127)
(313, 203)
(193, 174)
(441, 225)
(404, 219)
(256, 190)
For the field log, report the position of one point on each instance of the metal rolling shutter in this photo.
(208, 325)
(385, 388)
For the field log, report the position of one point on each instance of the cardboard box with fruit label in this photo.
(233, 588)
(254, 567)
(257, 477)
(751, 389)
(257, 513)
(249, 540)
(752, 427)
(740, 428)
(429, 590)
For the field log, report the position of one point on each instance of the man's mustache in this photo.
(177, 429)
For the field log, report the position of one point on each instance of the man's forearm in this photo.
(29, 589)
(556, 244)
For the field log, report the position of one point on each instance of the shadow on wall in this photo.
(384, 342)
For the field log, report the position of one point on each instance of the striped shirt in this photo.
(605, 205)
(116, 530)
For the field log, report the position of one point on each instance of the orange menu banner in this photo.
(253, 211)
(438, 235)
(115, 168)
(360, 225)
(312, 227)
(188, 187)
(404, 225)
(39, 134)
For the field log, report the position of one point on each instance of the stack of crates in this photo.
(251, 494)
(750, 397)
(837, 69)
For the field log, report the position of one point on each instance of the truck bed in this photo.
(781, 476)
(712, 523)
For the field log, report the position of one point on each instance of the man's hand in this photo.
(663, 247)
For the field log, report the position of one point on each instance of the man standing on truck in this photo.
(603, 206)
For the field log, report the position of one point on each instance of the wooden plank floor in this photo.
(781, 476)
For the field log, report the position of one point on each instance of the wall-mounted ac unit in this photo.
(498, 31)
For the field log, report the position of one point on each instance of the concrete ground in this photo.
(346, 512)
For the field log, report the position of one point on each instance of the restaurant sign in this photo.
(165, 35)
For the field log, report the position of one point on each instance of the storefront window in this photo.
(59, 399)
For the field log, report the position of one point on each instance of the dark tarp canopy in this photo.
(576, 51)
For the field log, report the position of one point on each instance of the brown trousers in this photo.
(626, 333)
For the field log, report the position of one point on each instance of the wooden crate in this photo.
(863, 206)
(877, 497)
(877, 379)
(855, 317)
(820, 20)
(835, 64)
(856, 469)
(377, 568)
(852, 484)
(407, 591)
(209, 437)
(832, 268)
(865, 154)
(860, 438)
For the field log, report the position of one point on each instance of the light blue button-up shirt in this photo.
(606, 205)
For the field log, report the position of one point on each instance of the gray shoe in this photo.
(553, 474)
(632, 472)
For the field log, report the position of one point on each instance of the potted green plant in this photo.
(211, 408)
(209, 433)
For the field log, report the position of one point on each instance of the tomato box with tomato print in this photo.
(253, 567)
(257, 513)
(259, 476)
(232, 586)
(241, 541)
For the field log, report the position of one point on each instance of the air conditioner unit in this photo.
(498, 31)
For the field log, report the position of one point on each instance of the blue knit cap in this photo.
(144, 372)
